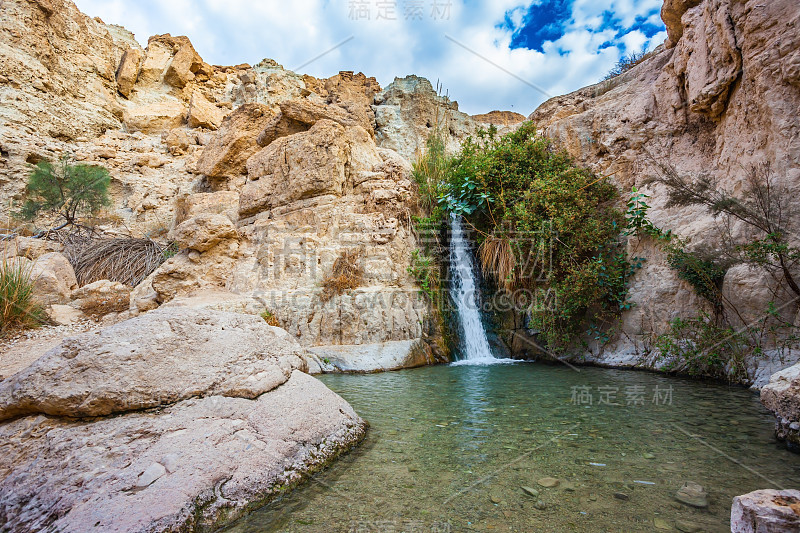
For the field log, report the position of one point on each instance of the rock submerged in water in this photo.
(548, 482)
(196, 461)
(692, 494)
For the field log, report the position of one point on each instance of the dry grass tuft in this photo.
(126, 260)
(497, 258)
(18, 310)
(347, 274)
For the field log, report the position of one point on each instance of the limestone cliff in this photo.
(718, 97)
(262, 175)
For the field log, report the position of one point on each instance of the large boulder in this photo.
(204, 231)
(183, 65)
(156, 359)
(227, 153)
(766, 511)
(53, 279)
(313, 163)
(782, 396)
(128, 70)
(247, 425)
(204, 114)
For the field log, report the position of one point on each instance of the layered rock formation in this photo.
(715, 100)
(782, 396)
(212, 413)
(263, 176)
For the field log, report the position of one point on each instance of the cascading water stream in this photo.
(474, 342)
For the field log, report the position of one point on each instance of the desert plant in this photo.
(425, 271)
(545, 224)
(764, 207)
(347, 274)
(65, 190)
(626, 63)
(704, 346)
(270, 318)
(18, 310)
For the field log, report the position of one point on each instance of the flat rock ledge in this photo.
(766, 511)
(208, 455)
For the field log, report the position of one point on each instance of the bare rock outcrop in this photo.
(227, 153)
(782, 396)
(409, 109)
(214, 386)
(500, 118)
(766, 511)
(185, 354)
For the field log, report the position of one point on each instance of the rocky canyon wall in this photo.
(263, 176)
(720, 96)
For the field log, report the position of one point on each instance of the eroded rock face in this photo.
(227, 153)
(300, 115)
(159, 358)
(305, 165)
(409, 109)
(766, 511)
(170, 469)
(713, 102)
(782, 396)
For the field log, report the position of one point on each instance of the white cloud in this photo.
(293, 32)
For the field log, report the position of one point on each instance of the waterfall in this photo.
(474, 343)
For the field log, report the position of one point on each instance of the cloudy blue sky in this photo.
(489, 54)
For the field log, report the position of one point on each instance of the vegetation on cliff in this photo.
(719, 342)
(548, 230)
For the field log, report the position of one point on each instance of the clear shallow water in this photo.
(450, 447)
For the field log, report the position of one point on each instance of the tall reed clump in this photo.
(18, 310)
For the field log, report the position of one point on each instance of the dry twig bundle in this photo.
(126, 260)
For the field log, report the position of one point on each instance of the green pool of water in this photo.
(451, 448)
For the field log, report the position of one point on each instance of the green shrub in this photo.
(703, 347)
(425, 271)
(66, 190)
(529, 201)
(18, 310)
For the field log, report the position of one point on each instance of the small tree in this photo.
(765, 207)
(66, 190)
